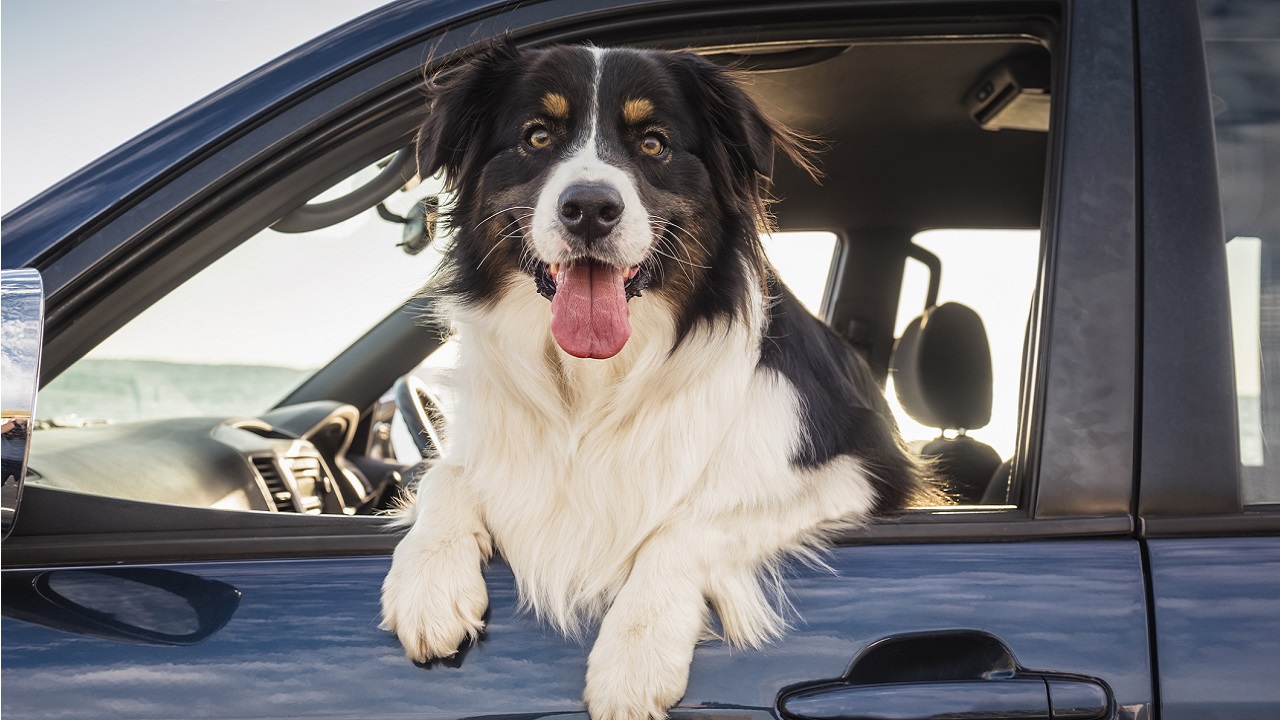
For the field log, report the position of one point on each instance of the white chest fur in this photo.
(576, 462)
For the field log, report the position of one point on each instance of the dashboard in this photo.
(293, 459)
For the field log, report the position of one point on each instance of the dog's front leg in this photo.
(434, 596)
(639, 666)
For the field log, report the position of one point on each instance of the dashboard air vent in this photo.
(276, 488)
(310, 479)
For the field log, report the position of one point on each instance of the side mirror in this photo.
(21, 328)
(151, 606)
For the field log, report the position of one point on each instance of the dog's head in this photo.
(596, 174)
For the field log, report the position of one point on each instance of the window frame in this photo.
(1076, 483)
(1190, 471)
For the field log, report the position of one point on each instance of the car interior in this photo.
(923, 129)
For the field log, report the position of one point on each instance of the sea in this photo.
(94, 391)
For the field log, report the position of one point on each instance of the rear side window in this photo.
(1242, 43)
(994, 273)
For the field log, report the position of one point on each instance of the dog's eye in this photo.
(537, 137)
(652, 145)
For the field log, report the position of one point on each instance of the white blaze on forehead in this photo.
(593, 118)
(631, 239)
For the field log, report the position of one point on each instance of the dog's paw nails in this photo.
(428, 631)
(435, 645)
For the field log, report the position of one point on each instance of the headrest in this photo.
(942, 369)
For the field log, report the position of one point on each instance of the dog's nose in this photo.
(590, 211)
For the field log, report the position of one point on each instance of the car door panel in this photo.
(304, 642)
(1217, 619)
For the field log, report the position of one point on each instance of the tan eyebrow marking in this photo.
(556, 105)
(636, 110)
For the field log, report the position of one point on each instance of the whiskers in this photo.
(671, 241)
(503, 210)
(510, 231)
(666, 231)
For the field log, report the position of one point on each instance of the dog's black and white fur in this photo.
(652, 443)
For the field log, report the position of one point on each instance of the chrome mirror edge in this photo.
(21, 334)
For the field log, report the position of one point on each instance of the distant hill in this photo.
(127, 390)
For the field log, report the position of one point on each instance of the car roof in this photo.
(902, 149)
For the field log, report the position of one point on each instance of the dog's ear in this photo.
(461, 103)
(749, 138)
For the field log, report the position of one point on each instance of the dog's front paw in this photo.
(634, 681)
(434, 597)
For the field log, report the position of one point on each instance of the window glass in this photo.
(240, 335)
(994, 273)
(803, 261)
(1242, 42)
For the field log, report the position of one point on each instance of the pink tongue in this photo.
(589, 314)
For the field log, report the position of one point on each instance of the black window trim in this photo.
(1080, 419)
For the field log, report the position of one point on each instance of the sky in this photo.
(79, 77)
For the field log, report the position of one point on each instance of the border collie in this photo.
(647, 421)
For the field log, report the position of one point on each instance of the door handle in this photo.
(951, 675)
(1028, 698)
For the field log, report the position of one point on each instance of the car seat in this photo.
(942, 375)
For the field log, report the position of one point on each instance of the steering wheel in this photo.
(420, 409)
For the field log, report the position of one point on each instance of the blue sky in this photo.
(79, 77)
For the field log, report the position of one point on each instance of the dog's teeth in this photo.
(554, 269)
(630, 272)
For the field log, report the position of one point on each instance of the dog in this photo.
(647, 421)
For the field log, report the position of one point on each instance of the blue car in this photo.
(1051, 227)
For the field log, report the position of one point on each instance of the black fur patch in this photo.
(844, 411)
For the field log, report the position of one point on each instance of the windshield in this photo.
(237, 337)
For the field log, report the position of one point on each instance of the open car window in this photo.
(241, 334)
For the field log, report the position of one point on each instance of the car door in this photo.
(115, 608)
(1210, 474)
